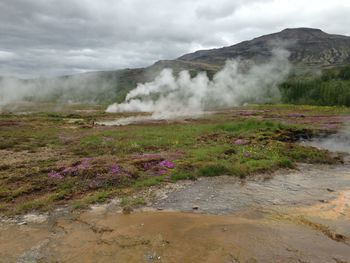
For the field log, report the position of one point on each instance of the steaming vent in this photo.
(170, 97)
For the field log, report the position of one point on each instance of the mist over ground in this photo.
(239, 82)
(85, 88)
(338, 142)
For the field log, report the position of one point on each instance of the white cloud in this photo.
(5, 55)
(53, 37)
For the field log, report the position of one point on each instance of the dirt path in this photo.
(295, 216)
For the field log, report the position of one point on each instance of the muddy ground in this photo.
(292, 216)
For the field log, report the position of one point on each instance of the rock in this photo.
(195, 207)
(330, 190)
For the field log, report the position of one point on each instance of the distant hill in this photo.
(310, 49)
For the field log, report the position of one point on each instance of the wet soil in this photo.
(291, 216)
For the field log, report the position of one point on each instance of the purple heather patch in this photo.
(162, 172)
(83, 164)
(55, 175)
(115, 169)
(149, 165)
(68, 170)
(167, 164)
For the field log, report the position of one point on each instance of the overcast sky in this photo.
(56, 37)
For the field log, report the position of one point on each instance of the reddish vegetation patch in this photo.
(213, 137)
(241, 142)
(322, 121)
(155, 163)
(10, 123)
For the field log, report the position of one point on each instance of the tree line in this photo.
(330, 89)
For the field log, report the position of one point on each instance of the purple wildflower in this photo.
(55, 175)
(149, 165)
(84, 164)
(162, 172)
(115, 169)
(167, 164)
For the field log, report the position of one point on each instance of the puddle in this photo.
(169, 237)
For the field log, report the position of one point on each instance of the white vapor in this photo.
(84, 88)
(338, 142)
(239, 82)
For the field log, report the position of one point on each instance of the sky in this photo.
(60, 37)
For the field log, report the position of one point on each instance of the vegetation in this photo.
(331, 88)
(55, 158)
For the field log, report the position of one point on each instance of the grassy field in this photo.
(61, 157)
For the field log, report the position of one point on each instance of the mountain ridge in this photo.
(310, 50)
(308, 46)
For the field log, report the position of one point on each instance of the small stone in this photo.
(330, 190)
(195, 207)
(323, 201)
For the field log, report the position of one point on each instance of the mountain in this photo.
(309, 49)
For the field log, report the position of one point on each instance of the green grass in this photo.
(37, 143)
(149, 181)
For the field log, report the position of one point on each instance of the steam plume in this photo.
(170, 96)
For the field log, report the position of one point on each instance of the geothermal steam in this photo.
(84, 88)
(338, 142)
(170, 96)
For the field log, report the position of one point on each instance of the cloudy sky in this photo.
(56, 37)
